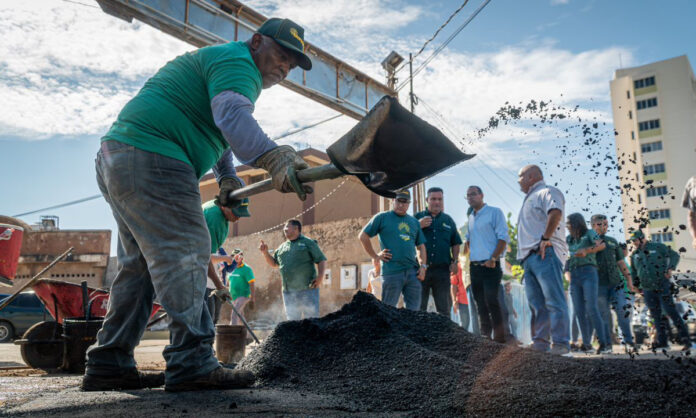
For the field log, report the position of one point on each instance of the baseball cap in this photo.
(289, 35)
(242, 210)
(637, 234)
(403, 194)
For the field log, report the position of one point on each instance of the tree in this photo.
(511, 256)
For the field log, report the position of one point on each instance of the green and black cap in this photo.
(242, 210)
(289, 35)
(403, 195)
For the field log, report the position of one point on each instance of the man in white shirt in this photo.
(542, 250)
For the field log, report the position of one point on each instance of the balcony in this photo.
(655, 177)
(645, 90)
(649, 133)
(657, 224)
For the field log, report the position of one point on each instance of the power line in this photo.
(441, 47)
(437, 32)
(74, 202)
(81, 4)
(307, 127)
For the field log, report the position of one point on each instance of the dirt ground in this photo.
(369, 359)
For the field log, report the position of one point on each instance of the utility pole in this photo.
(419, 188)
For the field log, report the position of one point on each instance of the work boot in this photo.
(561, 350)
(220, 378)
(132, 379)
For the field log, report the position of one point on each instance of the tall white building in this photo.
(654, 108)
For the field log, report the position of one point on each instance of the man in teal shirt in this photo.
(296, 258)
(652, 265)
(399, 236)
(241, 282)
(195, 113)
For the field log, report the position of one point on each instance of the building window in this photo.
(628, 94)
(651, 146)
(633, 135)
(644, 82)
(662, 237)
(649, 124)
(630, 114)
(653, 169)
(644, 104)
(635, 157)
(640, 200)
(656, 191)
(659, 214)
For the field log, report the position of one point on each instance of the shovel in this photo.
(388, 150)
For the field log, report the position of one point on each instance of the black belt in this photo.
(531, 252)
(438, 266)
(481, 263)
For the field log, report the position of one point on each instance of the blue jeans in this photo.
(163, 249)
(464, 315)
(611, 296)
(659, 301)
(583, 289)
(543, 284)
(473, 312)
(405, 282)
(301, 303)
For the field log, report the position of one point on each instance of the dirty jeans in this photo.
(613, 296)
(405, 282)
(464, 315)
(543, 284)
(299, 303)
(163, 249)
(214, 304)
(659, 301)
(583, 289)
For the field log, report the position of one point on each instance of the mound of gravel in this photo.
(385, 360)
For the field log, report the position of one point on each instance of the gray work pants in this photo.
(163, 250)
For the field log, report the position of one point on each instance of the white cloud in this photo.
(558, 2)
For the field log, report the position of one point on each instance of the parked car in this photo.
(25, 311)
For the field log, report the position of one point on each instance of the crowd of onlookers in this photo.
(418, 257)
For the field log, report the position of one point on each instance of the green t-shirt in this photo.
(296, 260)
(239, 281)
(171, 115)
(218, 225)
(650, 263)
(608, 270)
(401, 235)
(586, 241)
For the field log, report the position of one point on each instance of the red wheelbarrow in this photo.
(78, 313)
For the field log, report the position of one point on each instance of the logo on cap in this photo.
(296, 35)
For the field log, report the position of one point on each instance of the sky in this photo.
(67, 68)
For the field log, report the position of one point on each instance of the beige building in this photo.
(654, 109)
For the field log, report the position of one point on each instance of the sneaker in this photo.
(129, 380)
(604, 349)
(220, 378)
(575, 347)
(560, 350)
(689, 346)
(586, 349)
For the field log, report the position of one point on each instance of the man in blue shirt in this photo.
(442, 245)
(399, 236)
(486, 241)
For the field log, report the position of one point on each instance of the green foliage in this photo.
(511, 256)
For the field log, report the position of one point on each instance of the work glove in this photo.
(282, 163)
(227, 185)
(222, 294)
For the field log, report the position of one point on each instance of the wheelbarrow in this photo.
(388, 150)
(78, 313)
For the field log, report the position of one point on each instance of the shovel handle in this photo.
(323, 172)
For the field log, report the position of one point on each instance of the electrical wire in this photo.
(307, 127)
(441, 47)
(437, 32)
(62, 205)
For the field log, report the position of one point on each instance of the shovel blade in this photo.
(391, 149)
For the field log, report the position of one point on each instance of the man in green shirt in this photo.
(442, 245)
(399, 236)
(218, 219)
(241, 282)
(296, 258)
(652, 265)
(610, 266)
(193, 115)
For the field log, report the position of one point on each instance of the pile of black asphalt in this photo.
(381, 360)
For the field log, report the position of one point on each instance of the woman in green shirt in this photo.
(581, 272)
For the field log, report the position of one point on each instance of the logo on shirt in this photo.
(446, 226)
(403, 227)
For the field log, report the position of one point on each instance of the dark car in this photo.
(25, 311)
